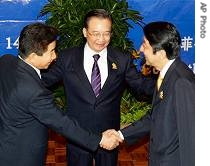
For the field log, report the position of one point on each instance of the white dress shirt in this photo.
(102, 63)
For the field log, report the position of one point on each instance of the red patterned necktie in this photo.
(96, 76)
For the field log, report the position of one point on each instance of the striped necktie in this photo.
(96, 76)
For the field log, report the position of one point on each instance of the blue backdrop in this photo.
(14, 14)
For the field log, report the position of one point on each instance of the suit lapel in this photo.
(24, 66)
(112, 63)
(77, 64)
(160, 95)
(169, 76)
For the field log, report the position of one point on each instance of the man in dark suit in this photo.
(27, 108)
(171, 122)
(96, 112)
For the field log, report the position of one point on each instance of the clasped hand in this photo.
(110, 139)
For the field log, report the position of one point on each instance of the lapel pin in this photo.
(114, 66)
(161, 95)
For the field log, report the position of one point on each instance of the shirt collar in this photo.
(166, 67)
(91, 52)
(36, 69)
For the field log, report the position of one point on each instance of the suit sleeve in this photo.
(54, 73)
(185, 104)
(43, 108)
(137, 130)
(138, 83)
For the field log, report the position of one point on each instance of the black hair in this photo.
(163, 36)
(35, 38)
(99, 13)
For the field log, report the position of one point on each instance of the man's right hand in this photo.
(110, 139)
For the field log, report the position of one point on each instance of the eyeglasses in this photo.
(98, 34)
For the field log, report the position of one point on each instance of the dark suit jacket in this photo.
(103, 112)
(172, 121)
(27, 110)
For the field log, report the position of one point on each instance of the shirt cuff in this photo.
(121, 135)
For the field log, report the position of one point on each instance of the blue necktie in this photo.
(96, 76)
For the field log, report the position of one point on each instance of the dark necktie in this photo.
(96, 76)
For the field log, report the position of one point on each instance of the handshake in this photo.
(110, 139)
